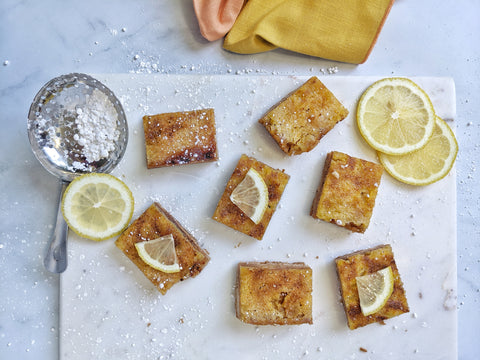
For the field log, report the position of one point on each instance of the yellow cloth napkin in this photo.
(341, 30)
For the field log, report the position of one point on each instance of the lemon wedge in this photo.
(374, 290)
(251, 196)
(427, 165)
(97, 206)
(395, 116)
(159, 253)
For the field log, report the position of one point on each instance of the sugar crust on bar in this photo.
(347, 191)
(154, 223)
(274, 293)
(299, 121)
(362, 263)
(180, 138)
(229, 214)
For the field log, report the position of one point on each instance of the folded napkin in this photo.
(341, 30)
(216, 17)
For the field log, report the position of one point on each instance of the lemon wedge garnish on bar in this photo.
(251, 196)
(374, 290)
(159, 253)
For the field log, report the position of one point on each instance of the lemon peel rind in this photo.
(450, 161)
(370, 91)
(95, 235)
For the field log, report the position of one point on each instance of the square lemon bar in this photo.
(152, 224)
(347, 192)
(363, 263)
(180, 138)
(230, 214)
(299, 121)
(274, 293)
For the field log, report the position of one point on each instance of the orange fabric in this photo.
(216, 17)
(341, 30)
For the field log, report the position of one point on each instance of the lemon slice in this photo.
(374, 290)
(159, 253)
(395, 116)
(427, 165)
(97, 206)
(251, 196)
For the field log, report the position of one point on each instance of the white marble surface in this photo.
(39, 40)
(182, 322)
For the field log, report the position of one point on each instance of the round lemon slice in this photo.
(251, 196)
(159, 253)
(97, 206)
(427, 165)
(374, 290)
(395, 116)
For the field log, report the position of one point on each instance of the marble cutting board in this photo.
(108, 310)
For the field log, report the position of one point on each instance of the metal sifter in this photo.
(60, 140)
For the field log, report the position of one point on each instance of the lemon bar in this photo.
(347, 192)
(274, 293)
(299, 121)
(230, 214)
(180, 138)
(363, 263)
(152, 224)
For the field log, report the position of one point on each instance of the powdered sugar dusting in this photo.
(97, 127)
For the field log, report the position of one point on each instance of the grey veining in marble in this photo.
(42, 39)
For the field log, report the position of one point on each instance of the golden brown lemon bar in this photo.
(180, 138)
(299, 121)
(274, 293)
(230, 214)
(363, 263)
(152, 224)
(347, 191)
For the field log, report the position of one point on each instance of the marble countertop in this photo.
(40, 40)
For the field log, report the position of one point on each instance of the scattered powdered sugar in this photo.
(96, 127)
